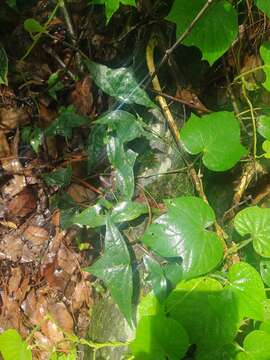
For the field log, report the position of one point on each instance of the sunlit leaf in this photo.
(265, 54)
(182, 232)
(264, 126)
(3, 66)
(206, 311)
(12, 347)
(264, 6)
(265, 271)
(217, 136)
(256, 346)
(123, 211)
(114, 268)
(159, 338)
(248, 290)
(111, 6)
(119, 83)
(211, 35)
(255, 222)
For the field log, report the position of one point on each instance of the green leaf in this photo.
(264, 6)
(217, 136)
(182, 232)
(60, 177)
(119, 83)
(114, 268)
(123, 123)
(265, 271)
(157, 277)
(36, 139)
(255, 222)
(211, 35)
(124, 162)
(33, 26)
(265, 54)
(264, 126)
(12, 347)
(248, 290)
(3, 66)
(95, 147)
(65, 122)
(173, 272)
(111, 6)
(12, 4)
(55, 84)
(122, 212)
(266, 148)
(149, 306)
(199, 305)
(256, 346)
(159, 338)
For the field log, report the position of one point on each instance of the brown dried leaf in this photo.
(12, 118)
(36, 235)
(4, 146)
(67, 260)
(82, 97)
(80, 194)
(61, 316)
(22, 204)
(14, 186)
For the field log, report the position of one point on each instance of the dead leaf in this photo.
(82, 97)
(22, 204)
(12, 118)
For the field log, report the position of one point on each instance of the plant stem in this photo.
(235, 248)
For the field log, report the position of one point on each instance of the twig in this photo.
(175, 132)
(71, 31)
(169, 51)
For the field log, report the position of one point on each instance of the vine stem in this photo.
(253, 121)
(169, 51)
(197, 181)
(38, 36)
(235, 248)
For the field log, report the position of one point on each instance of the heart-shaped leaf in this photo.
(199, 305)
(114, 268)
(265, 54)
(212, 36)
(255, 222)
(256, 346)
(3, 66)
(266, 149)
(119, 83)
(59, 177)
(12, 347)
(159, 338)
(217, 136)
(248, 290)
(264, 6)
(182, 233)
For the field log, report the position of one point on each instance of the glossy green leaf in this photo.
(119, 83)
(123, 211)
(173, 272)
(123, 123)
(255, 222)
(156, 277)
(65, 122)
(12, 347)
(256, 346)
(36, 139)
(59, 177)
(159, 338)
(96, 147)
(265, 271)
(3, 66)
(246, 286)
(33, 26)
(264, 126)
(182, 232)
(265, 54)
(264, 6)
(265, 326)
(211, 35)
(266, 149)
(217, 136)
(114, 268)
(207, 312)
(55, 84)
(124, 162)
(149, 306)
